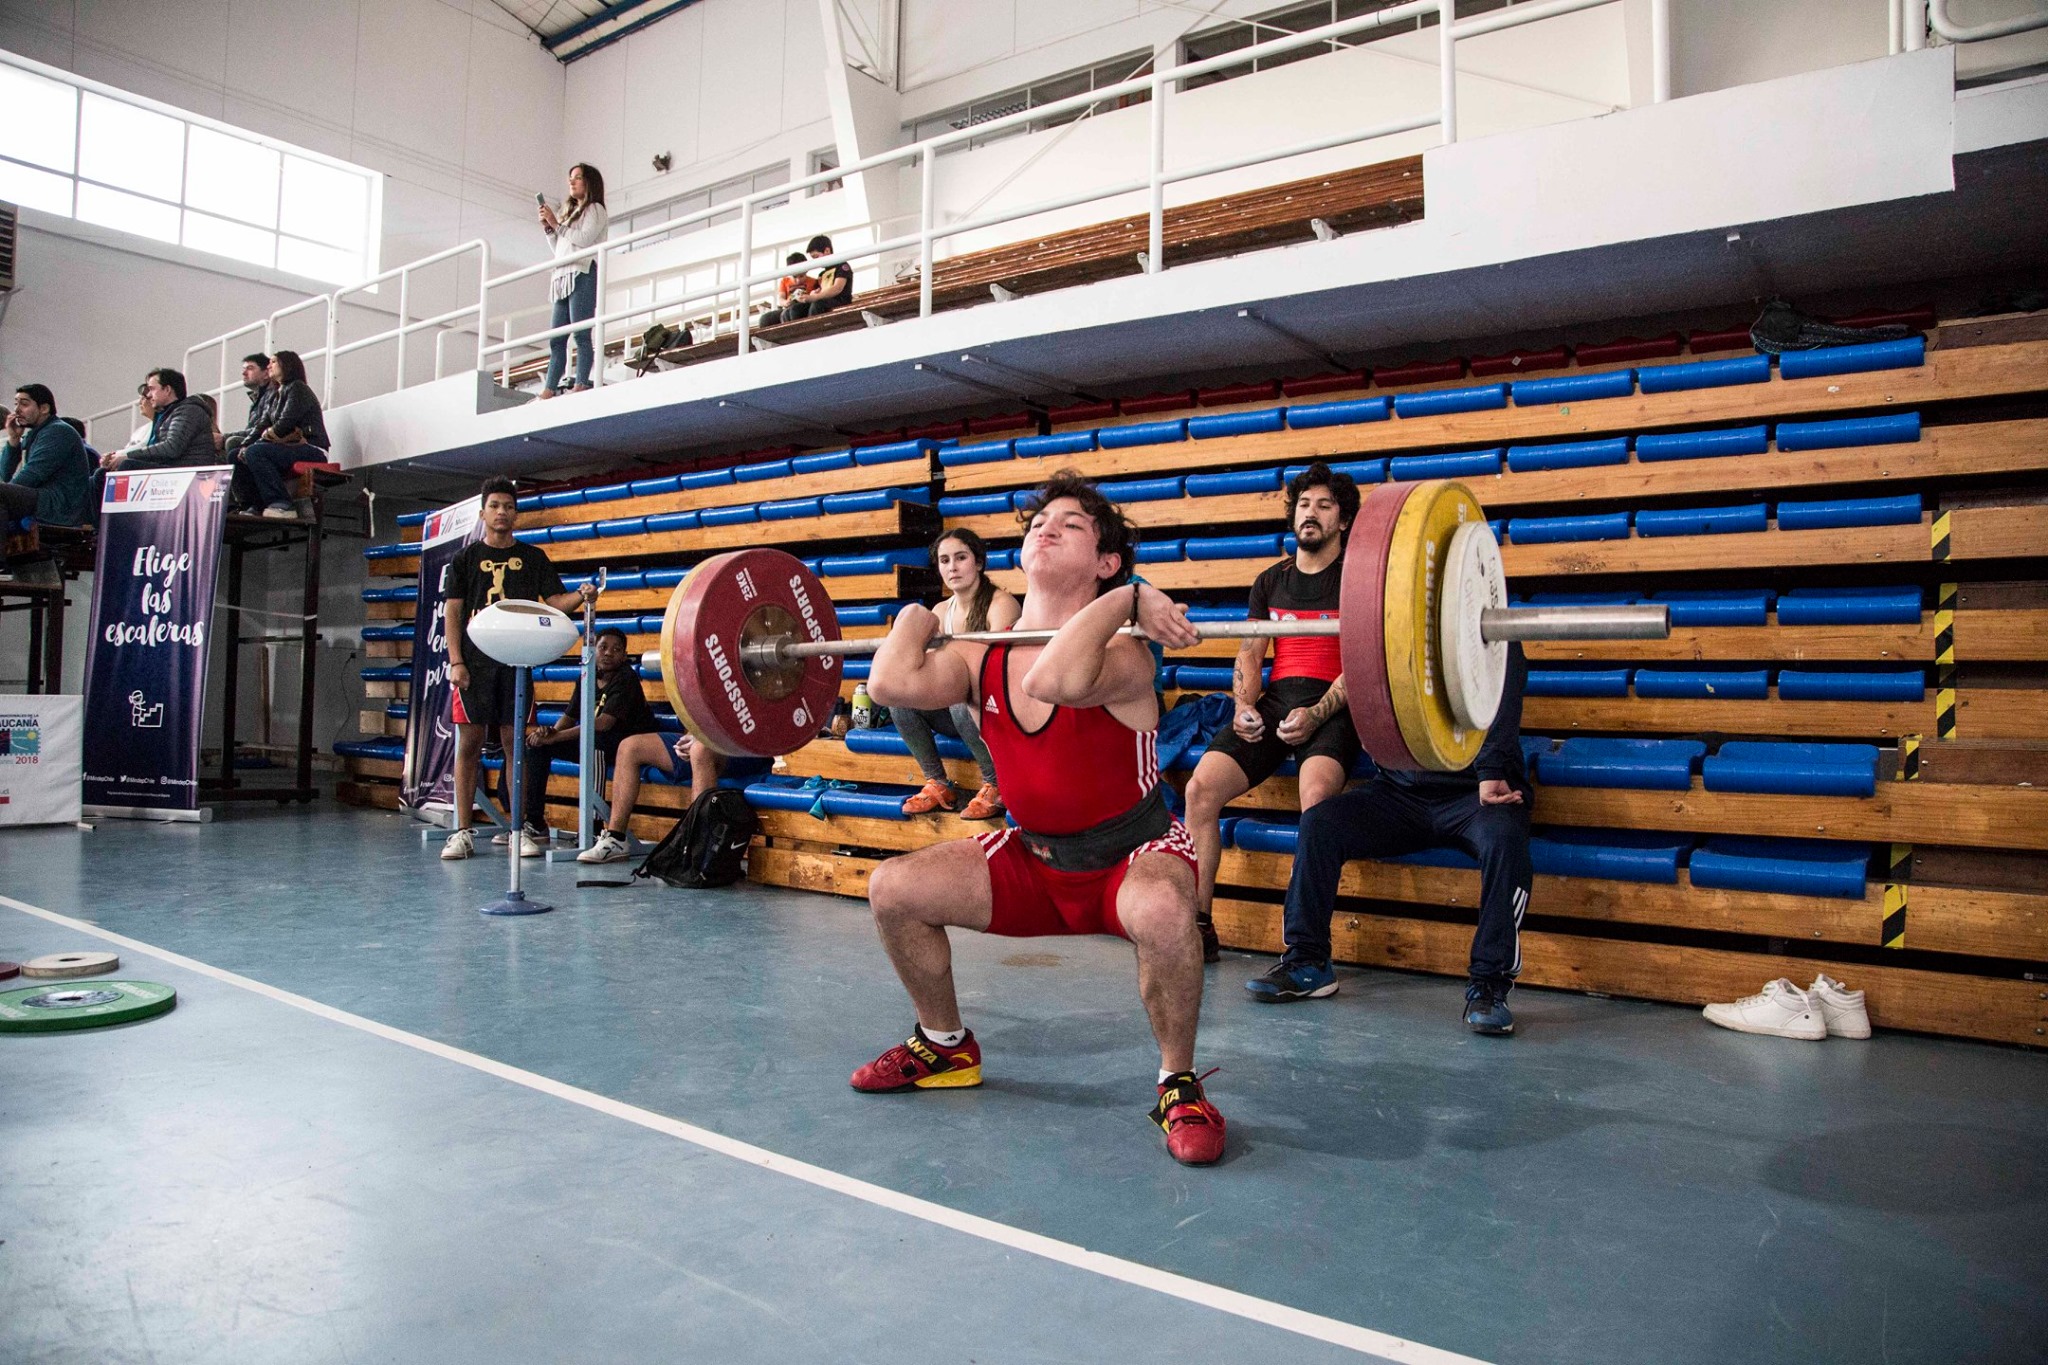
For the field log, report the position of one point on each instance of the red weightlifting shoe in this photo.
(1193, 1126)
(917, 1063)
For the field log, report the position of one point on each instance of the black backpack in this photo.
(708, 846)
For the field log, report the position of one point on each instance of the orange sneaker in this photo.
(986, 805)
(1193, 1126)
(936, 794)
(917, 1063)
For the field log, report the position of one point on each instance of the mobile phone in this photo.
(540, 198)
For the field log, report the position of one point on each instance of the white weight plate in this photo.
(71, 964)
(1475, 672)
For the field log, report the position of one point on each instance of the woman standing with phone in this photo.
(581, 223)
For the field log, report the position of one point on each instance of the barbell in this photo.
(750, 644)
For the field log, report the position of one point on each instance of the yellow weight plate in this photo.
(1416, 556)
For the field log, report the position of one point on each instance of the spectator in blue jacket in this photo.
(44, 469)
(180, 432)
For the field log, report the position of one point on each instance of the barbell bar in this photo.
(750, 644)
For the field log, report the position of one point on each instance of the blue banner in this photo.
(429, 734)
(152, 609)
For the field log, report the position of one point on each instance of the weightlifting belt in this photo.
(1104, 845)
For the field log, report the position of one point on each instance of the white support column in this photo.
(866, 119)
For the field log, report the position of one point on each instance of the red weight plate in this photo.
(725, 704)
(1361, 607)
(9, 969)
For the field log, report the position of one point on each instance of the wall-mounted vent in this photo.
(10, 223)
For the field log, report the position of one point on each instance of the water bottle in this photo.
(863, 709)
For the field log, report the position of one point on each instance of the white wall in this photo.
(724, 87)
(452, 100)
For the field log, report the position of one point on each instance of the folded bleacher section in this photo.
(1834, 763)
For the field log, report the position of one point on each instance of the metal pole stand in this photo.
(515, 901)
(589, 770)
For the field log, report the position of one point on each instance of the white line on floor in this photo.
(1381, 1344)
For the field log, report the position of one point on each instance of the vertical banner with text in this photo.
(429, 734)
(152, 606)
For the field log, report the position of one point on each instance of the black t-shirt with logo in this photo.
(483, 574)
(624, 699)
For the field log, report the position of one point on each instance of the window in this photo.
(693, 201)
(822, 160)
(1049, 91)
(78, 150)
(1299, 18)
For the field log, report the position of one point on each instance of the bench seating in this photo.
(1854, 659)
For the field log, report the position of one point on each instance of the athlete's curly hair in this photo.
(1113, 533)
(1319, 475)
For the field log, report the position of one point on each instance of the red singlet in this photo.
(1084, 766)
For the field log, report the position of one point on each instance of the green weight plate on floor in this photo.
(82, 1004)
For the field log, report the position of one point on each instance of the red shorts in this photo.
(1030, 900)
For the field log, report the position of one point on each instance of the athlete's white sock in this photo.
(938, 1039)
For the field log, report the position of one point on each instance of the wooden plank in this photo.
(1981, 713)
(829, 758)
(833, 874)
(1981, 637)
(1954, 1004)
(1943, 453)
(1974, 372)
(1999, 924)
(1979, 533)
(1899, 812)
(902, 519)
(372, 797)
(858, 479)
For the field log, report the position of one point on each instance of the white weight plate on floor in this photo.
(71, 964)
(1475, 672)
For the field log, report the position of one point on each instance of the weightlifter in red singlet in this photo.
(1072, 728)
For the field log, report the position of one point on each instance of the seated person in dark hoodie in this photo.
(180, 431)
(1482, 810)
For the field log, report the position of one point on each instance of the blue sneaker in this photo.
(1286, 981)
(1486, 1010)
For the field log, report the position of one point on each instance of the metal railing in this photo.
(736, 298)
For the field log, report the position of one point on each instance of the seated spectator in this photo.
(45, 471)
(651, 750)
(180, 428)
(790, 292)
(296, 434)
(1302, 713)
(833, 288)
(621, 712)
(1482, 811)
(212, 406)
(976, 604)
(262, 394)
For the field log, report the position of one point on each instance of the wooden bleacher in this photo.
(1957, 822)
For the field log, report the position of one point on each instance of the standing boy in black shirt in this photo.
(1302, 712)
(493, 569)
(620, 712)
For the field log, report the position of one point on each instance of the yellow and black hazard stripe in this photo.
(1893, 932)
(1944, 537)
(1909, 759)
(1944, 654)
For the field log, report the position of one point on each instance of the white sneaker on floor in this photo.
(460, 845)
(1841, 1009)
(1780, 1010)
(609, 848)
(531, 846)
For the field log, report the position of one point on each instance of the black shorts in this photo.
(1334, 738)
(488, 698)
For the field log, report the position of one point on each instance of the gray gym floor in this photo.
(380, 1126)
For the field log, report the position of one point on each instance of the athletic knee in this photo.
(1205, 798)
(1156, 912)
